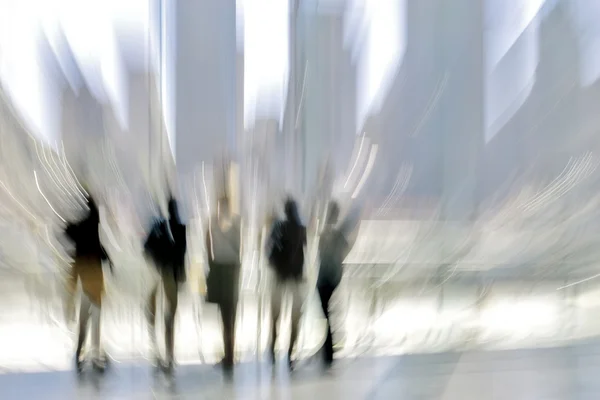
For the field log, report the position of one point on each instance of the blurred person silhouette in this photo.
(334, 246)
(87, 268)
(285, 248)
(165, 248)
(223, 245)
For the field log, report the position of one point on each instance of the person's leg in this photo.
(276, 299)
(297, 290)
(228, 316)
(325, 293)
(71, 287)
(92, 279)
(150, 312)
(151, 324)
(89, 271)
(231, 334)
(98, 358)
(84, 314)
(92, 282)
(171, 295)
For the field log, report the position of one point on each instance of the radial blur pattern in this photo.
(460, 138)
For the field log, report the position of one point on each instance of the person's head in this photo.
(173, 209)
(91, 202)
(93, 208)
(333, 213)
(223, 207)
(291, 211)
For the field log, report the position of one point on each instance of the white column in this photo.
(460, 50)
(205, 81)
(328, 96)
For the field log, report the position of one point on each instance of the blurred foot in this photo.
(328, 368)
(99, 365)
(157, 364)
(224, 364)
(79, 363)
(271, 356)
(291, 364)
(227, 370)
(221, 363)
(227, 364)
(168, 367)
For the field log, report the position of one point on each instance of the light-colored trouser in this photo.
(88, 270)
(170, 287)
(296, 289)
(87, 310)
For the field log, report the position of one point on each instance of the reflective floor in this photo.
(37, 346)
(561, 373)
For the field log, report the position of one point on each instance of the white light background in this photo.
(88, 25)
(89, 28)
(384, 48)
(265, 24)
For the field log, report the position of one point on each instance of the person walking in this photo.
(223, 244)
(286, 248)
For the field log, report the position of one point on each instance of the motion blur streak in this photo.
(452, 144)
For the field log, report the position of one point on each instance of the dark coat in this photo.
(166, 244)
(286, 256)
(85, 236)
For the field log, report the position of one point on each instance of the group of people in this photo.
(165, 248)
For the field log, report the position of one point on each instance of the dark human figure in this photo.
(223, 244)
(333, 249)
(87, 268)
(165, 248)
(286, 258)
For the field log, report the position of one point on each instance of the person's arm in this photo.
(208, 244)
(71, 232)
(304, 249)
(269, 240)
(241, 241)
(304, 241)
